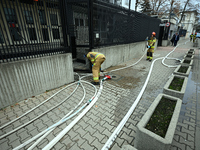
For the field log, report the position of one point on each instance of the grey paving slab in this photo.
(94, 129)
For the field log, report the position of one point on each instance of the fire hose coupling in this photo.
(89, 101)
(107, 77)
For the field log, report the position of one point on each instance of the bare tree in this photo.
(183, 11)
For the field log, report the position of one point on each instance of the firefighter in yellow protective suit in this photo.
(191, 36)
(96, 59)
(151, 46)
(194, 37)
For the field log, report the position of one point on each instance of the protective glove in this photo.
(92, 65)
(148, 46)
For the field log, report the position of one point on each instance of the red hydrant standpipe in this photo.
(107, 77)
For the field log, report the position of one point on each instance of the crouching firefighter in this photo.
(151, 46)
(96, 59)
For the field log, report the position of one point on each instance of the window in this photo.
(54, 20)
(86, 22)
(81, 22)
(10, 15)
(183, 17)
(42, 17)
(32, 34)
(76, 22)
(56, 34)
(45, 34)
(28, 16)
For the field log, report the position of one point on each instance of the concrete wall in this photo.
(23, 79)
(166, 42)
(122, 53)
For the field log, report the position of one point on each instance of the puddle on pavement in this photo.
(126, 78)
(190, 91)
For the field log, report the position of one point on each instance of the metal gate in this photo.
(78, 27)
(96, 23)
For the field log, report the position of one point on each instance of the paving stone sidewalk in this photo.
(118, 94)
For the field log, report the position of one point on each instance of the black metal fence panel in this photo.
(117, 25)
(36, 28)
(29, 29)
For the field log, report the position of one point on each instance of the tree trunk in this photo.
(183, 11)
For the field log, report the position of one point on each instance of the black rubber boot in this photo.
(95, 83)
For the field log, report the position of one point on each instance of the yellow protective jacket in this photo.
(151, 43)
(92, 56)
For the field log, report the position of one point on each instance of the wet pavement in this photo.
(117, 96)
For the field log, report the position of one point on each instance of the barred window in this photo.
(76, 22)
(42, 17)
(28, 16)
(56, 34)
(32, 34)
(54, 20)
(81, 22)
(45, 34)
(10, 15)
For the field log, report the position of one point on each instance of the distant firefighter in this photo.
(151, 46)
(191, 36)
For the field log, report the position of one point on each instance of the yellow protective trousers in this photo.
(96, 67)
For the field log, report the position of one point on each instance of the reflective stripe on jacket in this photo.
(152, 42)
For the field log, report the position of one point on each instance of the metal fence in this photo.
(36, 28)
(107, 24)
(29, 29)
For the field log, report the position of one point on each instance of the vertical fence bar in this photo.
(63, 12)
(41, 48)
(24, 53)
(90, 23)
(30, 27)
(49, 45)
(20, 27)
(11, 55)
(13, 28)
(2, 45)
(28, 44)
(16, 49)
(6, 52)
(57, 48)
(51, 5)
